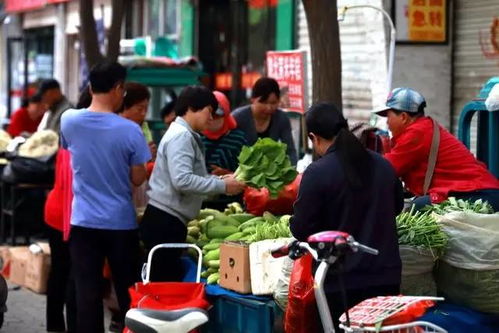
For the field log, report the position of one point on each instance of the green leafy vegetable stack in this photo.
(421, 230)
(265, 164)
(459, 205)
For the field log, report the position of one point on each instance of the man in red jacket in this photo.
(457, 172)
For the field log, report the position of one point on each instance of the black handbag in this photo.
(22, 169)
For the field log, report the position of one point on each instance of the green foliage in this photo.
(421, 230)
(269, 228)
(459, 205)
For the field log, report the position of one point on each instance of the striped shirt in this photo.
(224, 151)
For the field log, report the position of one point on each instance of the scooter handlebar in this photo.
(366, 249)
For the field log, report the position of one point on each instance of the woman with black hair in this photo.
(353, 190)
(263, 119)
(180, 181)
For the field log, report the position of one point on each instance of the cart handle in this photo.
(147, 277)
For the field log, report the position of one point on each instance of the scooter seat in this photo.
(159, 321)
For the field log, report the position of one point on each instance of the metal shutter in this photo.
(471, 68)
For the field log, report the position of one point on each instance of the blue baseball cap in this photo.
(402, 99)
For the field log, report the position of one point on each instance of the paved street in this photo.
(26, 312)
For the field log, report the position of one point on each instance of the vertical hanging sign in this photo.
(288, 68)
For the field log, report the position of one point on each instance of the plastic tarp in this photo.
(469, 272)
(417, 272)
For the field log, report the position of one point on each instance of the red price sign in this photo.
(288, 68)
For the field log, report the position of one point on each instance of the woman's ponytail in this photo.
(353, 157)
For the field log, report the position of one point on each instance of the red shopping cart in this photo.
(167, 306)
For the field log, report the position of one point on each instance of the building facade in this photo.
(230, 38)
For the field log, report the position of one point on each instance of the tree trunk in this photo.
(114, 34)
(324, 37)
(88, 33)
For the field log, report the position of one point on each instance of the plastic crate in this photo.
(241, 315)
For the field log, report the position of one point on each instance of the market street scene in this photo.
(249, 166)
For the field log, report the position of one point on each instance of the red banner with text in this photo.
(288, 68)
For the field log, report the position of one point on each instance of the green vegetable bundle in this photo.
(265, 164)
(212, 227)
(270, 228)
(459, 205)
(421, 230)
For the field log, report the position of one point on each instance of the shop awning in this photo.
(13, 6)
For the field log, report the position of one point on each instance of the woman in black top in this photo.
(353, 190)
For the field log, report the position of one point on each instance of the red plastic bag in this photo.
(168, 295)
(258, 201)
(301, 314)
(410, 313)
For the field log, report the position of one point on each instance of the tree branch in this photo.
(88, 33)
(114, 35)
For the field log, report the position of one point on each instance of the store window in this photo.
(261, 33)
(30, 60)
(234, 36)
(134, 19)
(164, 19)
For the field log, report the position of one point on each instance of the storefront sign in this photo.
(421, 20)
(27, 5)
(288, 68)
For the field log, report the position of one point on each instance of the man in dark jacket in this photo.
(353, 190)
(50, 90)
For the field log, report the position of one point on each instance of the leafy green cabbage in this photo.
(266, 164)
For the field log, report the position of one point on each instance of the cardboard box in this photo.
(18, 260)
(265, 269)
(38, 268)
(235, 267)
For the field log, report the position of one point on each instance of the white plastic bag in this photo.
(417, 272)
(473, 240)
(492, 101)
(281, 290)
(469, 271)
(265, 269)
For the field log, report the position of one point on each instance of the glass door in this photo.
(30, 59)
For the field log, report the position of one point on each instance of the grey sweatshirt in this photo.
(179, 182)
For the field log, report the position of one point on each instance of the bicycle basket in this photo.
(388, 310)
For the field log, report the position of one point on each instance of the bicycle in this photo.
(326, 248)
